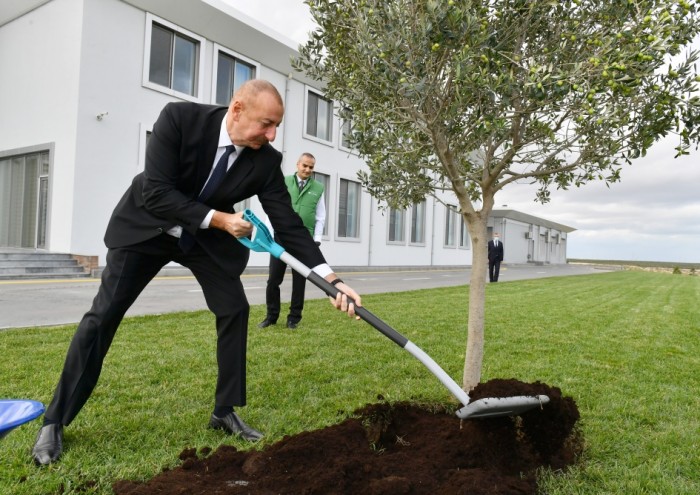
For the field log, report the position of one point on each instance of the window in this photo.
(145, 132)
(231, 72)
(325, 180)
(241, 205)
(172, 64)
(463, 233)
(346, 128)
(319, 116)
(345, 134)
(418, 223)
(24, 191)
(173, 60)
(349, 209)
(450, 226)
(396, 226)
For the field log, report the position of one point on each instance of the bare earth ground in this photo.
(392, 449)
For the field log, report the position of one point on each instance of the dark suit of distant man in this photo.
(495, 247)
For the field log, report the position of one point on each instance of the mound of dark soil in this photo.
(391, 449)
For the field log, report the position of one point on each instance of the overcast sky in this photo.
(653, 214)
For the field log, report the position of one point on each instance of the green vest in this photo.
(304, 202)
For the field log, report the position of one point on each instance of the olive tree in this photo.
(470, 96)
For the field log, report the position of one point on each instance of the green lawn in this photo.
(624, 345)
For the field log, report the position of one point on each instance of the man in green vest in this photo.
(308, 202)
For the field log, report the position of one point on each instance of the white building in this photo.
(84, 80)
(529, 239)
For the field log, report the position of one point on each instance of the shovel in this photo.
(16, 412)
(262, 241)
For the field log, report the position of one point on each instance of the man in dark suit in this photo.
(495, 257)
(200, 161)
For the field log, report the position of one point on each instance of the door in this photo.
(24, 200)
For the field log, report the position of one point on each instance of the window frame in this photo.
(326, 201)
(200, 57)
(215, 67)
(341, 136)
(145, 131)
(242, 205)
(463, 230)
(331, 118)
(396, 242)
(45, 153)
(450, 224)
(338, 237)
(423, 224)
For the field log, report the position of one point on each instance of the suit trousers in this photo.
(272, 292)
(494, 268)
(126, 274)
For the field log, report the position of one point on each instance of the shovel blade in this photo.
(16, 412)
(490, 407)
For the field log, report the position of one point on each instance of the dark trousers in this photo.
(272, 293)
(126, 274)
(494, 267)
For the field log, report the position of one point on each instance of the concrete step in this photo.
(44, 276)
(33, 255)
(19, 270)
(31, 263)
(20, 265)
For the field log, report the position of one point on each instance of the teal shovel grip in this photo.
(262, 241)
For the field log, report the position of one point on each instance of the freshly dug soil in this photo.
(392, 449)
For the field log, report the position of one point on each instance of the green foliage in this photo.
(676, 270)
(471, 96)
(623, 345)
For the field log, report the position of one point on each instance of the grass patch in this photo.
(624, 345)
(637, 263)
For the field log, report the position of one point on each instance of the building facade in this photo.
(86, 79)
(529, 239)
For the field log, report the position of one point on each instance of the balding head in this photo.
(252, 88)
(255, 112)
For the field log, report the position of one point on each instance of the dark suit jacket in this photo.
(179, 158)
(495, 253)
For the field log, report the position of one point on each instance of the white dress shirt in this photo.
(224, 140)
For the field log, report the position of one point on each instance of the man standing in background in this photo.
(495, 257)
(308, 202)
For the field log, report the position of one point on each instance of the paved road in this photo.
(29, 303)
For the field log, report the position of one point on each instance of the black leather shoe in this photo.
(233, 425)
(292, 324)
(266, 323)
(49, 444)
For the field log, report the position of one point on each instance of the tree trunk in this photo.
(477, 292)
